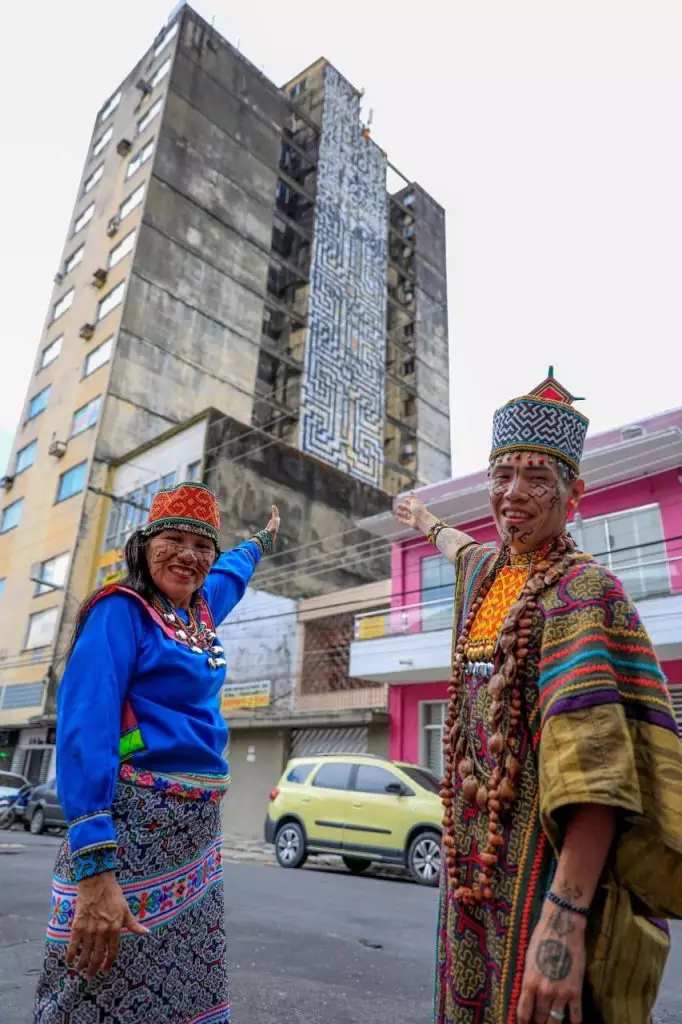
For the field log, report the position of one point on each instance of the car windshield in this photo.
(8, 780)
(422, 776)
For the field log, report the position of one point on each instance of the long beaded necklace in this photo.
(194, 633)
(505, 687)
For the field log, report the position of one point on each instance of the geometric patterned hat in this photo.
(543, 421)
(190, 507)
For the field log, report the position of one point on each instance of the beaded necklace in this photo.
(193, 634)
(497, 793)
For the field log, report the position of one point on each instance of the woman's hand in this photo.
(555, 966)
(413, 513)
(101, 913)
(273, 525)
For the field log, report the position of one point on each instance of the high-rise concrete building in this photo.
(233, 246)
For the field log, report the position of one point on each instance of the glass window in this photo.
(139, 159)
(2, 587)
(103, 140)
(422, 777)
(194, 470)
(167, 38)
(372, 779)
(120, 251)
(26, 457)
(153, 111)
(72, 481)
(129, 204)
(98, 357)
(11, 516)
(41, 629)
(86, 416)
(74, 259)
(61, 305)
(335, 775)
(438, 590)
(93, 179)
(630, 544)
(161, 72)
(110, 107)
(301, 772)
(52, 571)
(433, 727)
(168, 480)
(38, 403)
(85, 218)
(111, 301)
(51, 351)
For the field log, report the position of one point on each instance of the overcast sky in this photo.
(550, 132)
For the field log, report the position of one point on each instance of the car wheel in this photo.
(37, 825)
(356, 865)
(423, 858)
(290, 848)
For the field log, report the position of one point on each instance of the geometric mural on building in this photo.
(342, 397)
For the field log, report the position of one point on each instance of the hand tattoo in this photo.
(553, 960)
(562, 923)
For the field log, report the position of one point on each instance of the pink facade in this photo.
(663, 489)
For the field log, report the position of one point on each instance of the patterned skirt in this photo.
(170, 870)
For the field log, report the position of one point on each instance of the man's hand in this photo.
(555, 967)
(101, 913)
(413, 513)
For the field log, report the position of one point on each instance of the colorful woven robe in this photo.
(598, 728)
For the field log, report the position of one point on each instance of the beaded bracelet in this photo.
(432, 535)
(264, 540)
(565, 905)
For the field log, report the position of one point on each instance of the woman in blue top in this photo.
(136, 930)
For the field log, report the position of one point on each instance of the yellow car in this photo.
(363, 807)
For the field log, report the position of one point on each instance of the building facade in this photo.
(232, 246)
(630, 519)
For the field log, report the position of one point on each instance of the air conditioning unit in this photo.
(7, 482)
(57, 448)
(145, 86)
(113, 226)
(123, 147)
(408, 449)
(99, 277)
(87, 331)
(58, 277)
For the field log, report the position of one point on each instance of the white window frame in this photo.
(3, 527)
(83, 220)
(46, 615)
(424, 728)
(107, 344)
(108, 109)
(62, 477)
(75, 259)
(51, 352)
(152, 113)
(93, 179)
(31, 416)
(132, 202)
(167, 38)
(103, 141)
(140, 159)
(33, 445)
(161, 72)
(123, 249)
(63, 305)
(57, 578)
(111, 301)
(93, 404)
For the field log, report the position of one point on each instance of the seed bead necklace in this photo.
(194, 633)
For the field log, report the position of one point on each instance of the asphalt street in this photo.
(308, 946)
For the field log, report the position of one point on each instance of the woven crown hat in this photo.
(543, 421)
(190, 507)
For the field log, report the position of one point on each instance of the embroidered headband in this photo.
(543, 421)
(190, 507)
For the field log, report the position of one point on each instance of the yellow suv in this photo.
(363, 807)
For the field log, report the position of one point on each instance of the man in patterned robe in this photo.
(563, 823)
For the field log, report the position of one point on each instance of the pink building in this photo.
(630, 518)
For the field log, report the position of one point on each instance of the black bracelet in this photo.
(432, 535)
(565, 905)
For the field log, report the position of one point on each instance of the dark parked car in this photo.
(43, 809)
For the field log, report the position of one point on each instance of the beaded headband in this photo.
(543, 421)
(189, 507)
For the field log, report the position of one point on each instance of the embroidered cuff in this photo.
(93, 861)
(91, 830)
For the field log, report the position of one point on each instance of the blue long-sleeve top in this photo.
(123, 657)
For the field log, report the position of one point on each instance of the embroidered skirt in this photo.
(170, 870)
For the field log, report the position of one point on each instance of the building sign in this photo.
(245, 696)
(371, 627)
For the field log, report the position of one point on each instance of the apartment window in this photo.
(74, 259)
(433, 716)
(111, 301)
(438, 590)
(120, 251)
(98, 357)
(86, 416)
(11, 515)
(139, 159)
(93, 179)
(41, 629)
(26, 456)
(51, 351)
(103, 140)
(61, 305)
(632, 545)
(408, 367)
(169, 480)
(21, 695)
(145, 121)
(53, 574)
(161, 72)
(194, 470)
(72, 481)
(129, 204)
(110, 107)
(85, 218)
(167, 38)
(2, 587)
(38, 403)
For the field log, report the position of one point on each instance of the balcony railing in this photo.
(642, 580)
